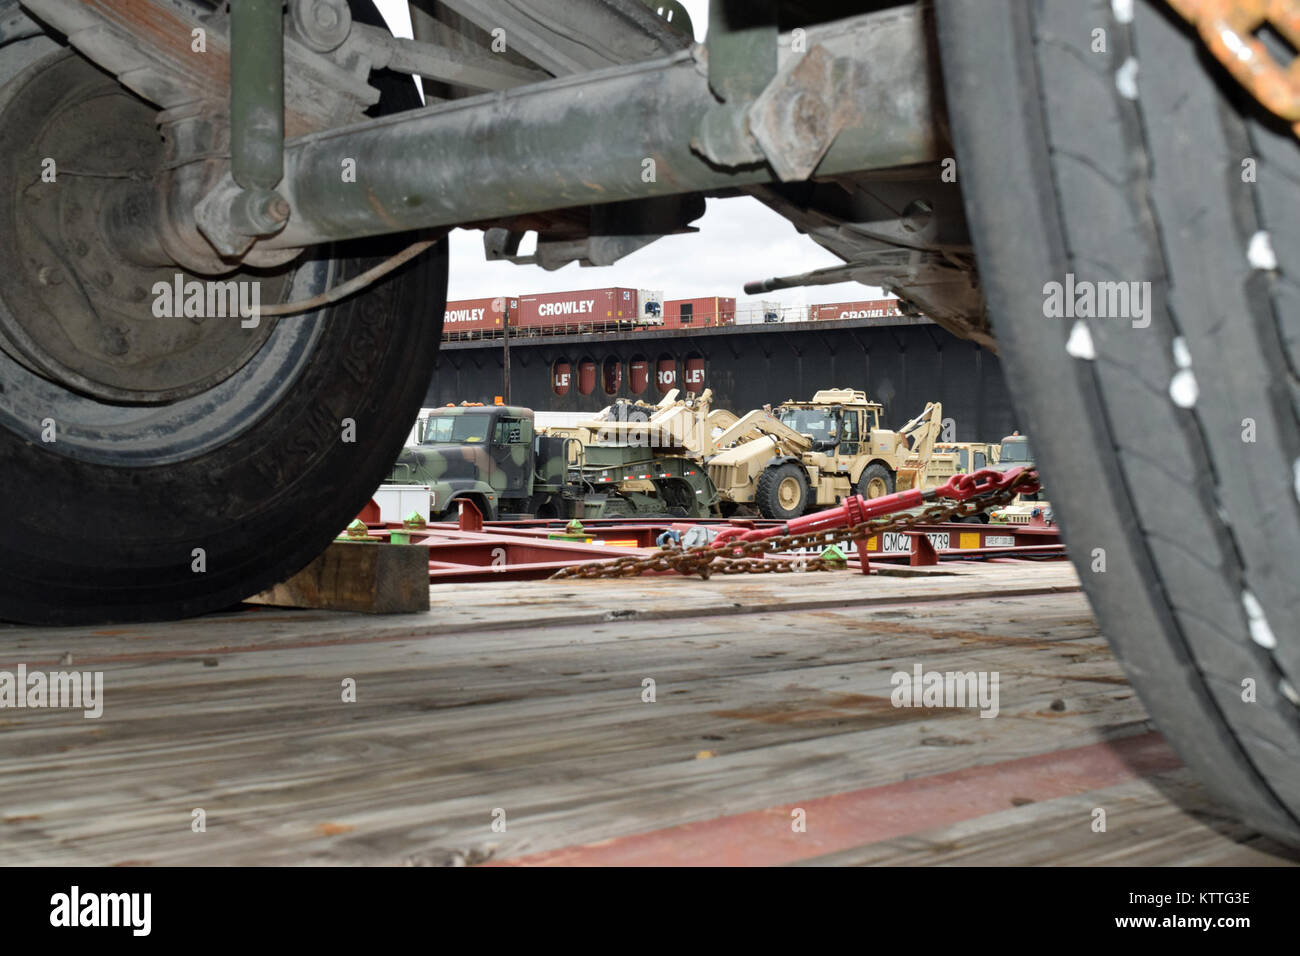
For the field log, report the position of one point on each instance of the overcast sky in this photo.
(740, 240)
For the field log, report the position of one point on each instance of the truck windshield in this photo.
(467, 429)
(821, 425)
(1013, 451)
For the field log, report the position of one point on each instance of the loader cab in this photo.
(856, 426)
(821, 424)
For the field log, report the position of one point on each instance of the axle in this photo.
(847, 97)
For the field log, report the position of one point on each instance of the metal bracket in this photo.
(797, 117)
(741, 54)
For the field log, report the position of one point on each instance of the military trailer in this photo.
(492, 456)
(199, 361)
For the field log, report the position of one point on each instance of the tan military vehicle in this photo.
(959, 458)
(806, 455)
(675, 425)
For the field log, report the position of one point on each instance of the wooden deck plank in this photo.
(527, 697)
(1162, 820)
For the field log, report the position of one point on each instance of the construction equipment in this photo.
(805, 455)
(685, 426)
(493, 457)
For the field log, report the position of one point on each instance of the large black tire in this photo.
(782, 492)
(876, 477)
(1186, 537)
(87, 538)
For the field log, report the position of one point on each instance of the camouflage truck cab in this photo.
(487, 454)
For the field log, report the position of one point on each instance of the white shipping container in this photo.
(649, 307)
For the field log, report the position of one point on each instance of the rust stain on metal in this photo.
(167, 37)
(380, 210)
(1228, 28)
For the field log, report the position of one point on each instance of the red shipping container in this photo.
(872, 309)
(475, 318)
(700, 312)
(579, 311)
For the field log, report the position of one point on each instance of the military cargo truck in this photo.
(494, 457)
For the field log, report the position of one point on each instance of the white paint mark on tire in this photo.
(1260, 253)
(1123, 10)
(1289, 692)
(1126, 79)
(1260, 632)
(1183, 388)
(1080, 344)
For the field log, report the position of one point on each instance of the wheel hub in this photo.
(788, 493)
(73, 309)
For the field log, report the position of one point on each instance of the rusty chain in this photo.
(1228, 28)
(747, 557)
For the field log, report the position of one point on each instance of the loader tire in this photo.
(1172, 448)
(875, 481)
(782, 492)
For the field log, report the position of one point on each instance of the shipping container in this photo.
(699, 312)
(476, 318)
(766, 312)
(590, 310)
(873, 309)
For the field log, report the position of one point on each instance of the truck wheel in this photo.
(158, 467)
(1168, 432)
(875, 481)
(782, 492)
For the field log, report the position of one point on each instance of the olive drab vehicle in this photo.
(486, 454)
(806, 455)
(493, 456)
(198, 351)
